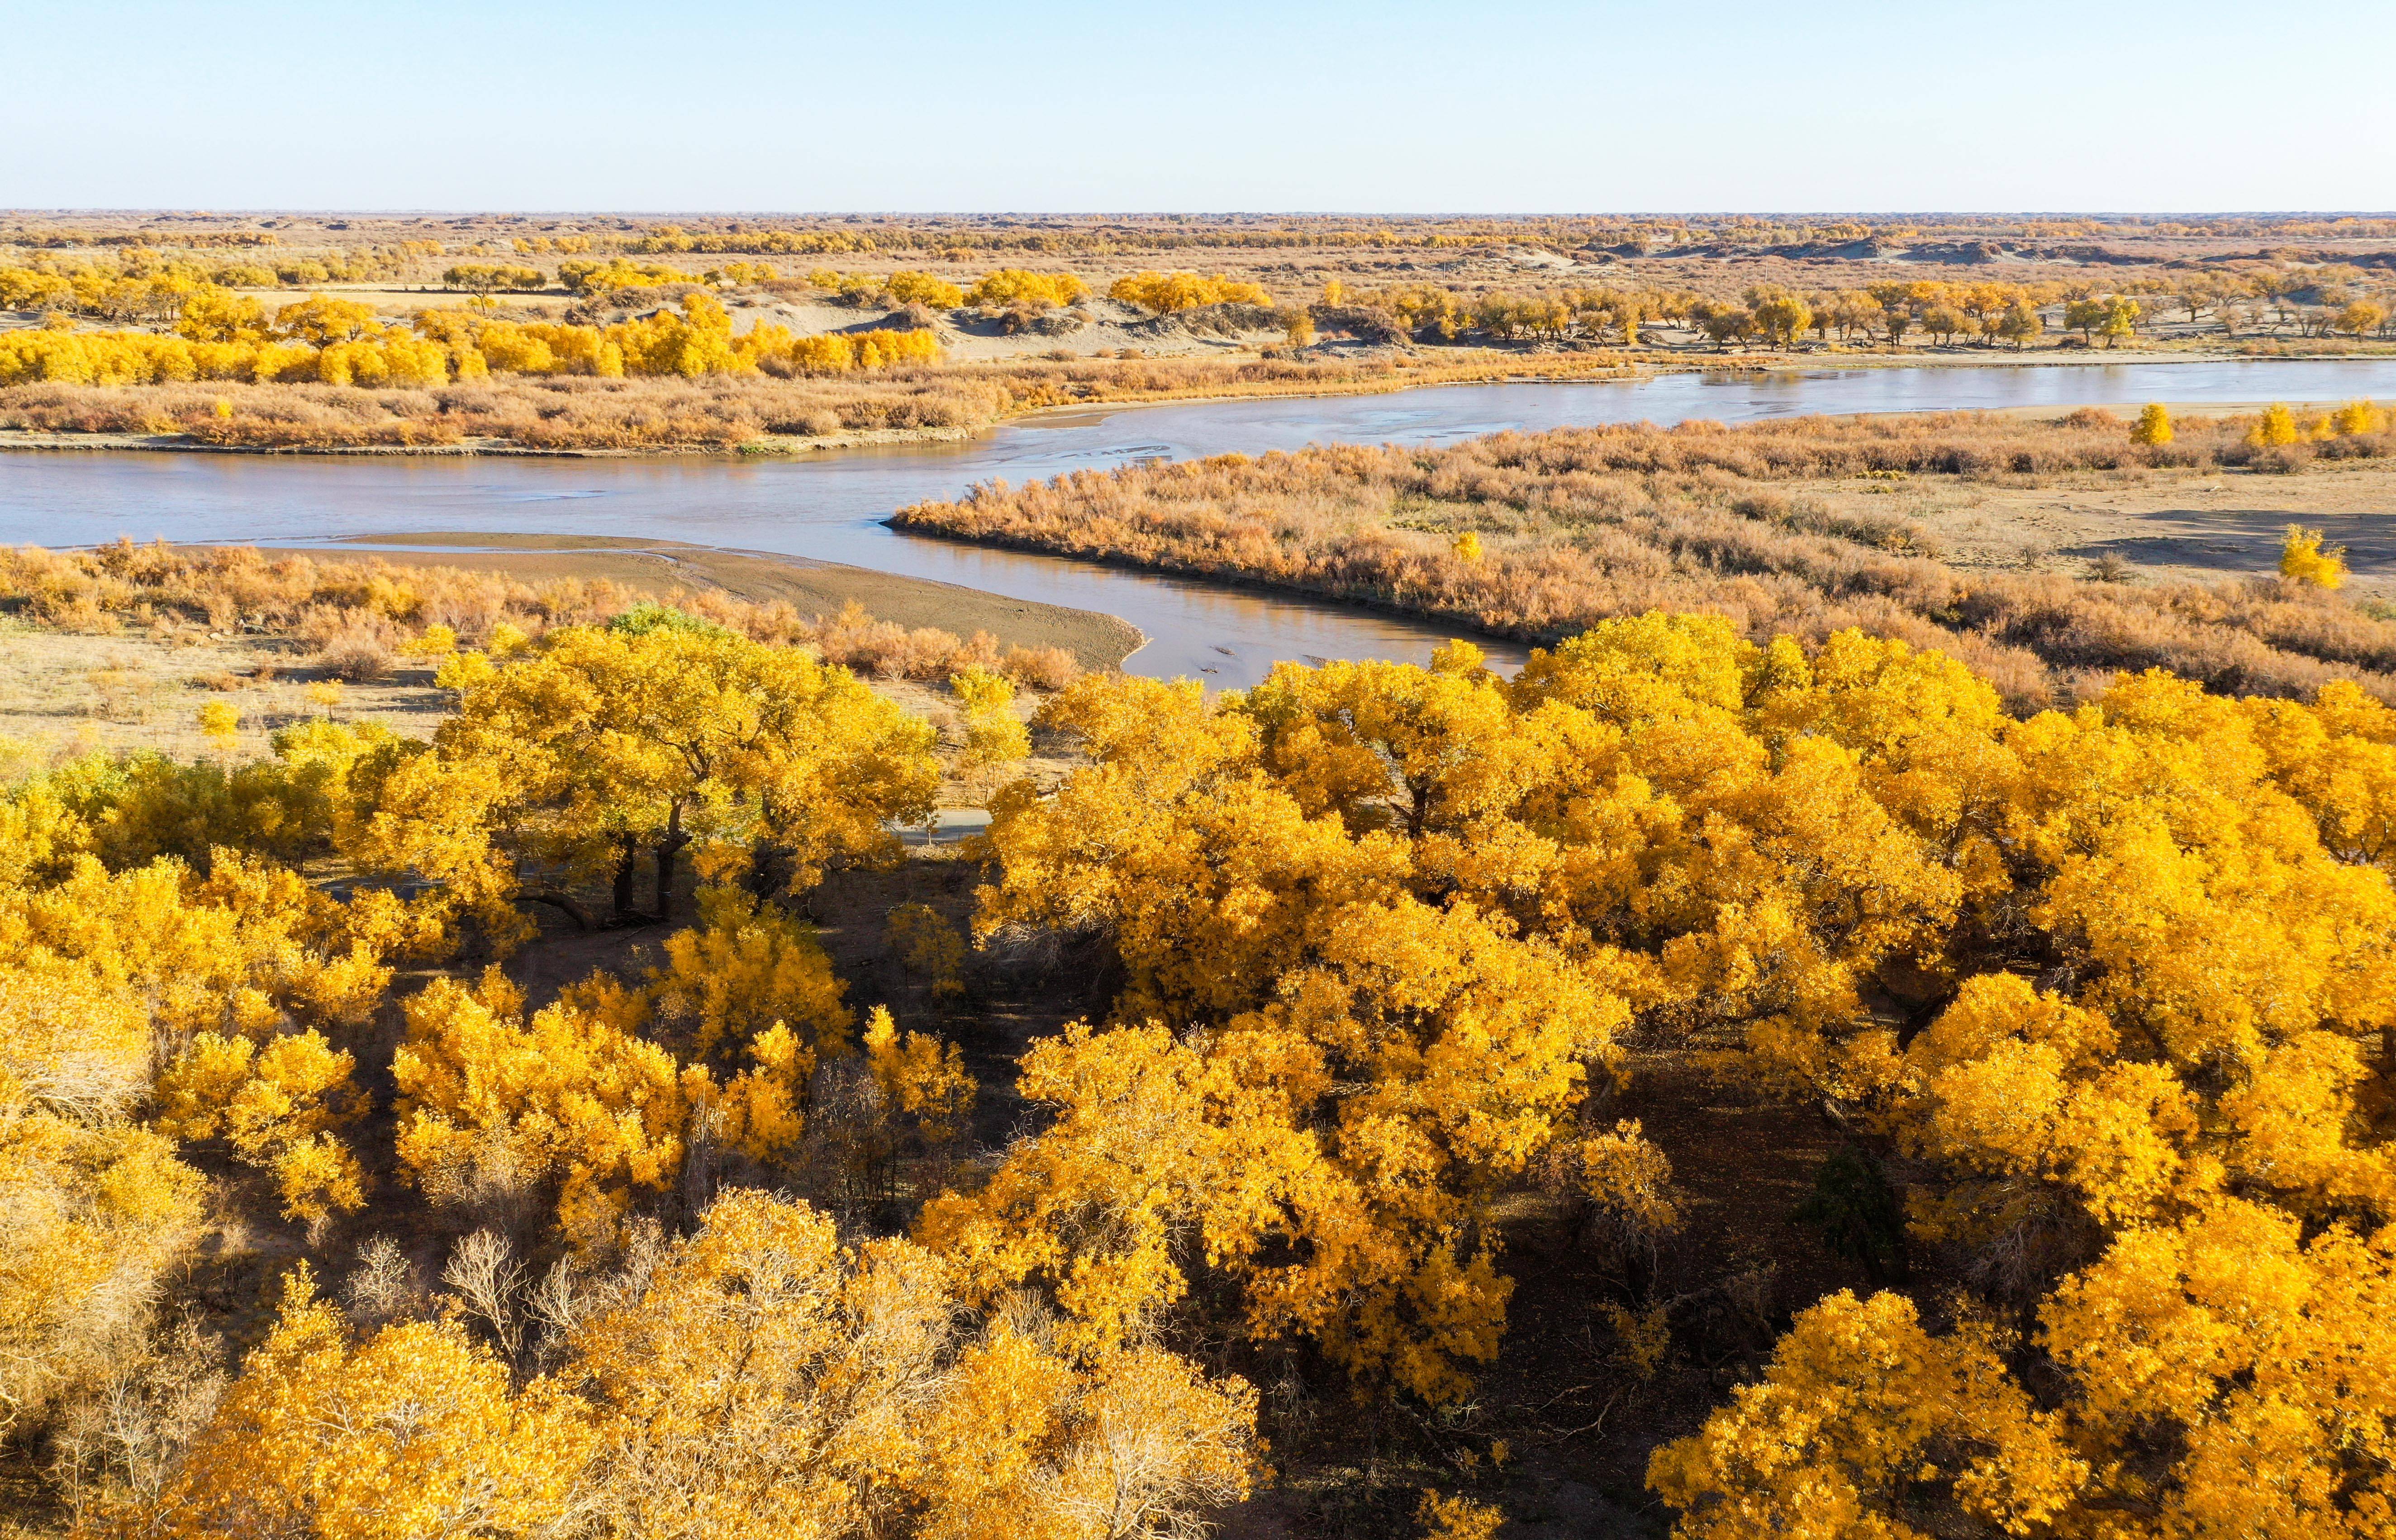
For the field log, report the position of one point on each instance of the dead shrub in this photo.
(855, 640)
(1581, 525)
(352, 615)
(356, 658)
(714, 411)
(816, 424)
(1039, 668)
(923, 654)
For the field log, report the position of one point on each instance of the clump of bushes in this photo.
(356, 616)
(1578, 525)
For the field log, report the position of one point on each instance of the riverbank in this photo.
(121, 647)
(749, 418)
(722, 413)
(491, 447)
(2047, 556)
(1097, 642)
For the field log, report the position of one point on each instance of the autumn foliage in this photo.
(2108, 990)
(1021, 286)
(1179, 291)
(786, 395)
(330, 341)
(1540, 536)
(2136, 957)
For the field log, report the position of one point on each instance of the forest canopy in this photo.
(2103, 996)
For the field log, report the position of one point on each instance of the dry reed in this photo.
(355, 615)
(722, 412)
(1580, 525)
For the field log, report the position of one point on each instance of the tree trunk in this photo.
(668, 849)
(571, 906)
(627, 854)
(770, 871)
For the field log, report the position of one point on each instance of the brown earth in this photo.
(2171, 526)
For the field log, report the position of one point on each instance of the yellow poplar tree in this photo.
(2304, 558)
(843, 1397)
(96, 1207)
(280, 1106)
(414, 1431)
(664, 734)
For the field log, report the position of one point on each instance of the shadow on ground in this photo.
(2246, 542)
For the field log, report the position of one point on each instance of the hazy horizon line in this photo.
(433, 211)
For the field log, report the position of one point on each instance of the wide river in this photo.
(831, 507)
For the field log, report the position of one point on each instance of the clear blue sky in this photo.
(1505, 105)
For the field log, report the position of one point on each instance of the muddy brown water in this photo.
(831, 507)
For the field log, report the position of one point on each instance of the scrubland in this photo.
(759, 413)
(602, 334)
(133, 639)
(1774, 525)
(1886, 1026)
(1698, 1083)
(1289, 259)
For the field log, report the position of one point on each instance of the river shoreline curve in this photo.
(788, 446)
(838, 507)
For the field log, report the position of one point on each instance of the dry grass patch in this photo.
(1785, 527)
(358, 619)
(123, 648)
(65, 692)
(722, 412)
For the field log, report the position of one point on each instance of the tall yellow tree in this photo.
(842, 1398)
(1388, 1058)
(96, 1207)
(659, 734)
(414, 1431)
(2185, 1098)
(280, 1106)
(2305, 559)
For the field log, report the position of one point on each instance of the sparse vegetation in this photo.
(356, 616)
(1570, 527)
(1552, 297)
(721, 412)
(1859, 1036)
